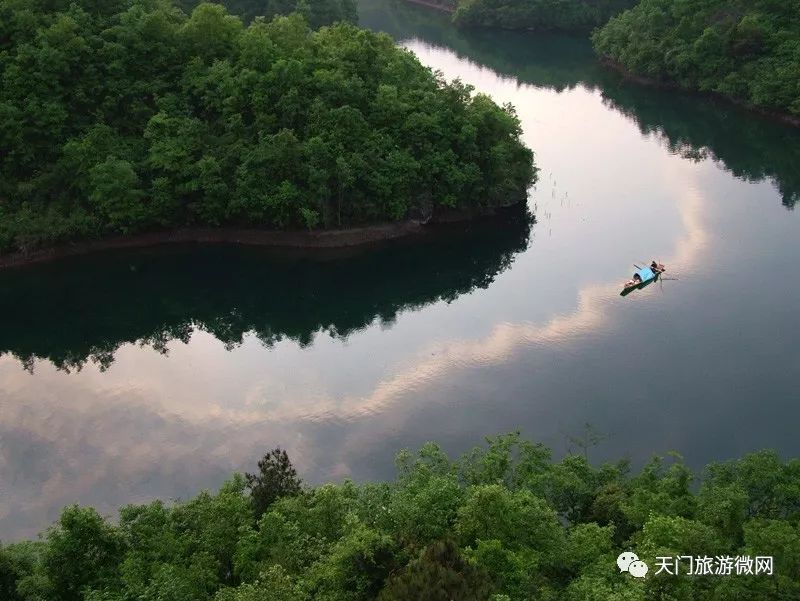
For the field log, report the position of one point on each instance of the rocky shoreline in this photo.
(322, 239)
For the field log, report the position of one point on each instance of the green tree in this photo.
(210, 33)
(517, 519)
(564, 15)
(276, 478)
(10, 573)
(356, 567)
(115, 190)
(273, 584)
(440, 573)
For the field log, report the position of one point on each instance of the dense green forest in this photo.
(316, 12)
(566, 15)
(747, 50)
(129, 115)
(504, 522)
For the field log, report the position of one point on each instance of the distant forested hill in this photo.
(747, 50)
(568, 15)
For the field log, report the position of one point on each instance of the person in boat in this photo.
(656, 267)
(635, 281)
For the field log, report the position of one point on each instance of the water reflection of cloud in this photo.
(506, 338)
(108, 449)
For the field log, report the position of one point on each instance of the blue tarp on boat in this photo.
(646, 274)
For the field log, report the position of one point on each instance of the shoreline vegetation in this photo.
(534, 15)
(782, 117)
(747, 52)
(131, 117)
(537, 15)
(504, 522)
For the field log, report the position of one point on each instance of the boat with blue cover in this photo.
(642, 277)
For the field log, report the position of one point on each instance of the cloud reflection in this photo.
(442, 360)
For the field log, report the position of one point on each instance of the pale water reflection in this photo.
(203, 359)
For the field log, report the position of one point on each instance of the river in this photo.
(156, 373)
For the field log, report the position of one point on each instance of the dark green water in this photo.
(156, 373)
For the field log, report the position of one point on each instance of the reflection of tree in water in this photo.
(749, 146)
(86, 308)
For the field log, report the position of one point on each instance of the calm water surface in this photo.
(156, 373)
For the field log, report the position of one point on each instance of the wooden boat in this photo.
(643, 277)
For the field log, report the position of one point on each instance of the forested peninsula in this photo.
(130, 116)
(505, 522)
(745, 50)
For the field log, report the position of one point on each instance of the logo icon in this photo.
(630, 562)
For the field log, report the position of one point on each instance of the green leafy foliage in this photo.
(12, 568)
(130, 116)
(83, 551)
(317, 12)
(508, 524)
(748, 50)
(439, 574)
(565, 15)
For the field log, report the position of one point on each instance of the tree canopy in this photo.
(126, 116)
(505, 522)
(747, 50)
(316, 12)
(564, 15)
